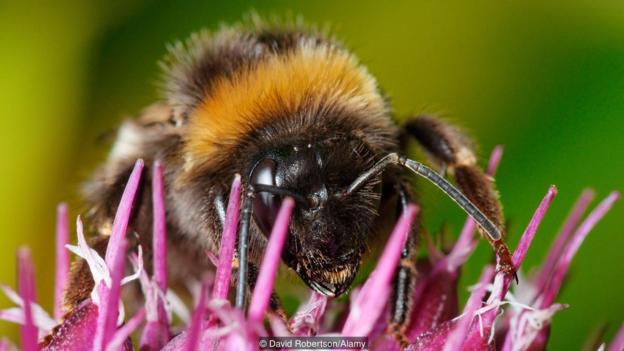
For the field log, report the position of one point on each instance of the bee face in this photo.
(328, 233)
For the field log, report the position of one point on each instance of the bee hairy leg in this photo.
(405, 277)
(453, 150)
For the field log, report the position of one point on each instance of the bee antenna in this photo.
(243, 247)
(275, 190)
(451, 191)
(420, 169)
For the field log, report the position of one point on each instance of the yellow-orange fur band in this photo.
(317, 75)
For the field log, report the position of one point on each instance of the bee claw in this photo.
(507, 267)
(505, 262)
(397, 332)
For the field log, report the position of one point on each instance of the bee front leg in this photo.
(453, 150)
(406, 275)
(248, 270)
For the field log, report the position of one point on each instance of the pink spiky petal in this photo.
(530, 328)
(307, 320)
(481, 331)
(115, 262)
(194, 330)
(437, 303)
(108, 308)
(226, 254)
(531, 230)
(41, 319)
(554, 253)
(452, 333)
(618, 341)
(26, 289)
(121, 338)
(228, 241)
(160, 227)
(244, 335)
(233, 332)
(78, 328)
(237, 333)
(457, 336)
(122, 216)
(568, 253)
(62, 259)
(370, 302)
(494, 161)
(152, 335)
(198, 335)
(156, 332)
(278, 327)
(435, 339)
(268, 268)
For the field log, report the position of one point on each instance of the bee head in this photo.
(328, 233)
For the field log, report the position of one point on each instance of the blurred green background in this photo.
(546, 79)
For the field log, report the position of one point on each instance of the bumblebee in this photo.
(295, 113)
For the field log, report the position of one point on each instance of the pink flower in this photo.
(504, 321)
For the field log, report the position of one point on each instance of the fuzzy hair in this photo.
(226, 85)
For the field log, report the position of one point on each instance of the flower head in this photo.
(492, 319)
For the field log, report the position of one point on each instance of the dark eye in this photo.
(266, 205)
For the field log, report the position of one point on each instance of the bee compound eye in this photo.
(265, 204)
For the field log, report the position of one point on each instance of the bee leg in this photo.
(405, 277)
(248, 271)
(453, 150)
(243, 247)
